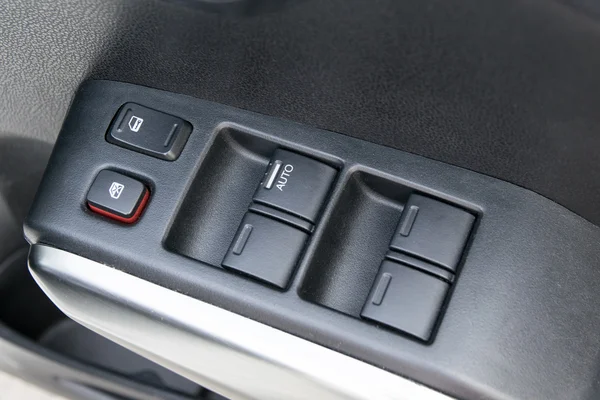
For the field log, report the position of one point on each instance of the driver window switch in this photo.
(117, 196)
(295, 184)
(265, 249)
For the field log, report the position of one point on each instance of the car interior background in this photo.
(269, 199)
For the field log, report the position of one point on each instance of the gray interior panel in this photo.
(505, 88)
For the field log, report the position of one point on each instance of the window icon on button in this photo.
(135, 123)
(116, 189)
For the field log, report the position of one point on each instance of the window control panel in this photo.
(358, 247)
(295, 184)
(385, 254)
(149, 131)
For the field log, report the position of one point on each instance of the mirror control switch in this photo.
(117, 196)
(295, 184)
(149, 131)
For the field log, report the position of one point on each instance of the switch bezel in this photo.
(226, 156)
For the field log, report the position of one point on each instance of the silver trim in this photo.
(273, 174)
(225, 352)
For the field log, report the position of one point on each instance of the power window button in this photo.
(117, 196)
(265, 249)
(405, 299)
(295, 184)
(149, 131)
(433, 231)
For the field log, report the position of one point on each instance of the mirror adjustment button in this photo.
(149, 131)
(295, 184)
(117, 196)
(433, 231)
(265, 249)
(405, 299)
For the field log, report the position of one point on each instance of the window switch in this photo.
(433, 231)
(117, 196)
(149, 131)
(295, 184)
(265, 249)
(405, 299)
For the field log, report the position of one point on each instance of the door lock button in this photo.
(295, 184)
(117, 196)
(149, 131)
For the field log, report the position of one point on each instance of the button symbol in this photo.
(272, 175)
(135, 123)
(116, 189)
(283, 178)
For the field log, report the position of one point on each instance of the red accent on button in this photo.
(130, 220)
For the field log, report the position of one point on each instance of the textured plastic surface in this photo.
(25, 311)
(432, 230)
(265, 249)
(295, 184)
(522, 316)
(213, 207)
(503, 87)
(348, 255)
(149, 131)
(420, 265)
(282, 216)
(405, 299)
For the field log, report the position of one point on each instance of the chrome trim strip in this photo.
(273, 174)
(238, 357)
